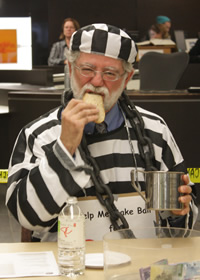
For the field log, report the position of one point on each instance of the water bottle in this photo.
(71, 239)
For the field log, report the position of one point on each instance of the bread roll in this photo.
(97, 100)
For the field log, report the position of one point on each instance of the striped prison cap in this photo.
(104, 39)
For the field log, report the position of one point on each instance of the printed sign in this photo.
(97, 222)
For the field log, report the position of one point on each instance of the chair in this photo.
(160, 71)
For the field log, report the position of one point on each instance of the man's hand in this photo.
(186, 198)
(74, 118)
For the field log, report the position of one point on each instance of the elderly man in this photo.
(60, 154)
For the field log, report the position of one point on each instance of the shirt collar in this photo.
(113, 119)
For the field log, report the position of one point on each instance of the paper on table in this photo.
(28, 264)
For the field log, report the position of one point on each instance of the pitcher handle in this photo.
(134, 184)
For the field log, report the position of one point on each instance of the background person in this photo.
(164, 21)
(157, 32)
(57, 54)
(60, 155)
(161, 29)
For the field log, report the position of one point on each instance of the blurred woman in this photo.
(57, 53)
(158, 31)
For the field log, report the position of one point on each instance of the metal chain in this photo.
(103, 192)
(146, 150)
(145, 145)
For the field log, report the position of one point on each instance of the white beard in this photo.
(109, 99)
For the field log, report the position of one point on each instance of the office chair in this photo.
(161, 72)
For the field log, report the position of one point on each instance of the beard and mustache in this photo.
(110, 98)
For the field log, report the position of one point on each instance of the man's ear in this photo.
(129, 76)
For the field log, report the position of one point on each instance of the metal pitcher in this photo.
(161, 191)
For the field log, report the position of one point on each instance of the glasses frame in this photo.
(118, 76)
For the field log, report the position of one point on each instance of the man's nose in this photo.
(97, 80)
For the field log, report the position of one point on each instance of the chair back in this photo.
(162, 72)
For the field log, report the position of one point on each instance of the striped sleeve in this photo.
(42, 174)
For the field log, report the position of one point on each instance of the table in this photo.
(177, 95)
(91, 247)
(186, 249)
(40, 75)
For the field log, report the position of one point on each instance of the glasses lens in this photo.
(110, 76)
(87, 72)
(106, 75)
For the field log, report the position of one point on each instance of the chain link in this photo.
(146, 150)
(145, 145)
(103, 192)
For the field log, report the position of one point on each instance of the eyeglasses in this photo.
(107, 75)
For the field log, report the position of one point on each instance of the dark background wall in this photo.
(47, 17)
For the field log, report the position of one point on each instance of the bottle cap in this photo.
(72, 200)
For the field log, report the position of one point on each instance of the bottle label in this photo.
(71, 232)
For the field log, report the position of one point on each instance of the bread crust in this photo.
(97, 100)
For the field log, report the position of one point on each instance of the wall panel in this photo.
(115, 12)
(47, 17)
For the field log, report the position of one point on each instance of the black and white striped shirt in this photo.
(42, 173)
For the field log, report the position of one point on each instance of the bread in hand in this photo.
(97, 100)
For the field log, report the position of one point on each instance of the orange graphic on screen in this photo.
(8, 46)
